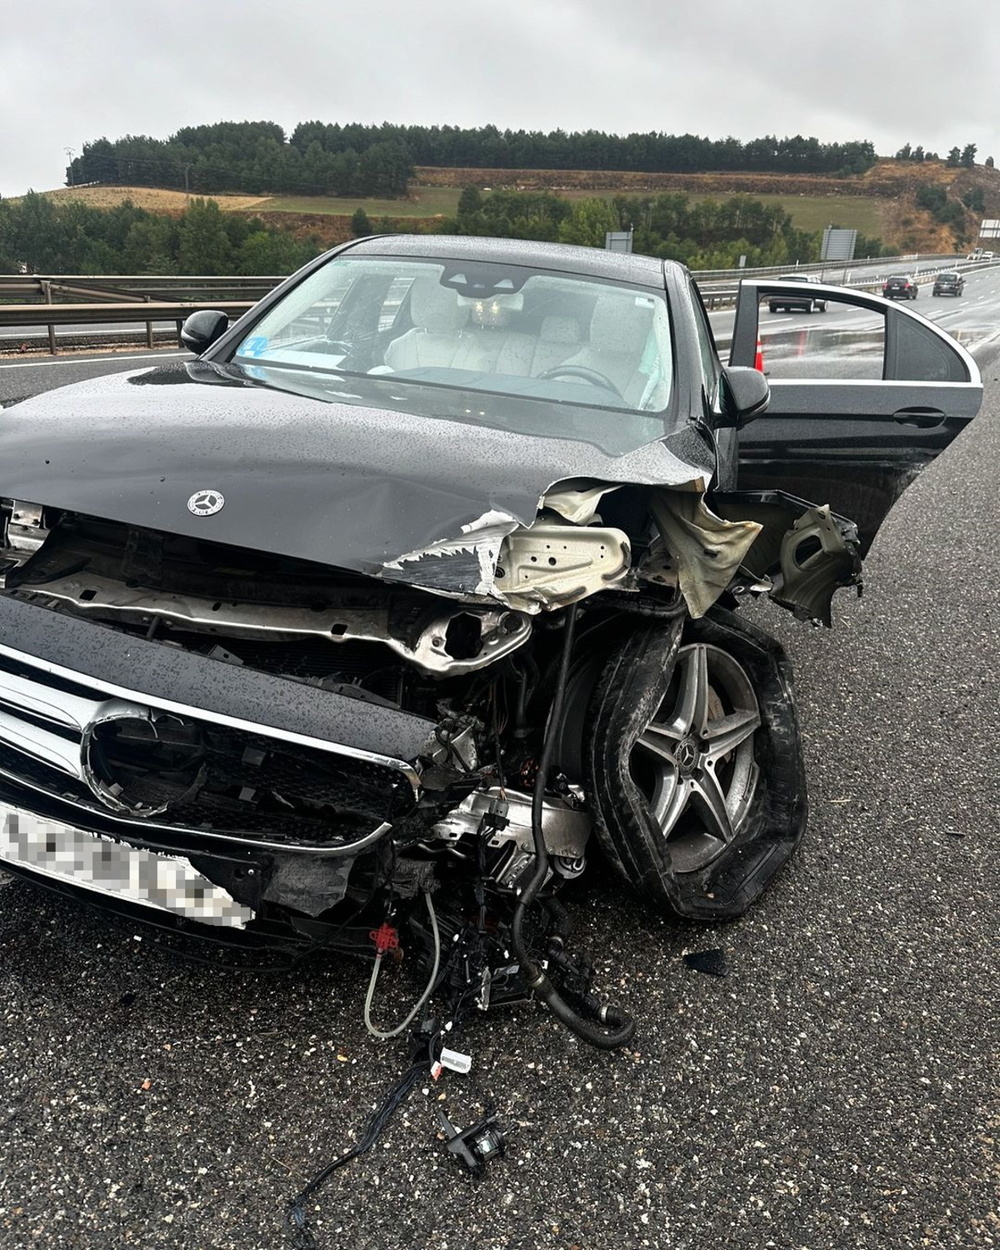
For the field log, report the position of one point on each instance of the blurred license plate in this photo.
(92, 862)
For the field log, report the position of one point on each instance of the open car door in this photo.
(862, 399)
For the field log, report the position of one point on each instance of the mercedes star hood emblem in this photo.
(206, 502)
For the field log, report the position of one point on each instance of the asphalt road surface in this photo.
(838, 1088)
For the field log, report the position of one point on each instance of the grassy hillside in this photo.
(150, 198)
(880, 203)
(809, 212)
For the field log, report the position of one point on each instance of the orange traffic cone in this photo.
(758, 360)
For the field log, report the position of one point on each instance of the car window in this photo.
(511, 330)
(844, 341)
(710, 364)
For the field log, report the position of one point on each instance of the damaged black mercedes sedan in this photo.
(422, 578)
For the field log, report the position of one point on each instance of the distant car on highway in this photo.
(900, 286)
(948, 284)
(794, 303)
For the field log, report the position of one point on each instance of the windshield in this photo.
(534, 334)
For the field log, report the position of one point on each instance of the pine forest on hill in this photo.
(138, 204)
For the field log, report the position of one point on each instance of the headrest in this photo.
(434, 308)
(619, 324)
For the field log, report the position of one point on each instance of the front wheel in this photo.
(695, 766)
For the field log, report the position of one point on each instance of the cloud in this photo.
(895, 71)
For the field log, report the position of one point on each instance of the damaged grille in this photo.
(163, 768)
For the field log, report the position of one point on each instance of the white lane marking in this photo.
(91, 360)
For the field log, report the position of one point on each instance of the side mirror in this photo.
(746, 395)
(202, 328)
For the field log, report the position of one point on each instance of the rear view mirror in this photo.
(202, 328)
(746, 395)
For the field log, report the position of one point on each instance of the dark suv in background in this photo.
(900, 286)
(948, 284)
(794, 303)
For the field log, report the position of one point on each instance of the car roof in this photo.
(593, 261)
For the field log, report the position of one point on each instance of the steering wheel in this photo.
(585, 374)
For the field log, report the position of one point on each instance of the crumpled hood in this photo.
(340, 483)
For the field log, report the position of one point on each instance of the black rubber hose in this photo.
(620, 1028)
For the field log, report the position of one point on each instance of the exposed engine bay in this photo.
(489, 796)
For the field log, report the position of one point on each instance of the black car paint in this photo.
(948, 284)
(304, 476)
(856, 446)
(900, 288)
(313, 476)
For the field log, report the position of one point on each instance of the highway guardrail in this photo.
(130, 299)
(149, 313)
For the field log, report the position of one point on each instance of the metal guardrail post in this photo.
(47, 289)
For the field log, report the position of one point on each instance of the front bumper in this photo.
(343, 769)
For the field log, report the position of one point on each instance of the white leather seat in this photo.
(435, 339)
(619, 330)
(558, 339)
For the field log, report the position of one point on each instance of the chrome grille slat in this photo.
(41, 744)
(54, 705)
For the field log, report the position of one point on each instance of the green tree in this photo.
(384, 170)
(968, 157)
(151, 246)
(469, 202)
(933, 199)
(954, 158)
(588, 223)
(360, 223)
(974, 201)
(272, 252)
(204, 246)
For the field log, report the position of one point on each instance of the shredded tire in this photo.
(626, 698)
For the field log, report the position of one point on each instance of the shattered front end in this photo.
(252, 742)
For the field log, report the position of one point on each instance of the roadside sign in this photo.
(838, 244)
(618, 241)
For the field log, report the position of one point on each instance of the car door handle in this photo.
(919, 418)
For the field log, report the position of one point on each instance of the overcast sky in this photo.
(892, 71)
